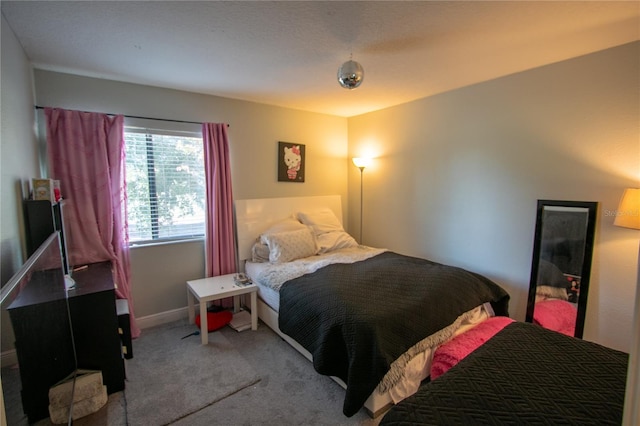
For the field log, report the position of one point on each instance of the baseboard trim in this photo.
(162, 318)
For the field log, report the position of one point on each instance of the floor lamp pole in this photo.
(361, 198)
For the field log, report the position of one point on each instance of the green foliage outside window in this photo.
(165, 186)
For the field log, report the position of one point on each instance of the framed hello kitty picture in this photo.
(290, 162)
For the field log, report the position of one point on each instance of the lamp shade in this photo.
(628, 213)
(362, 162)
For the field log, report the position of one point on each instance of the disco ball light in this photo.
(350, 75)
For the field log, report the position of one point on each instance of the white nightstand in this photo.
(215, 288)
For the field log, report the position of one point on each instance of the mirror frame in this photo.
(592, 208)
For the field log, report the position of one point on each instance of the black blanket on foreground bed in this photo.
(524, 374)
(356, 319)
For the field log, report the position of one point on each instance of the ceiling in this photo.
(287, 53)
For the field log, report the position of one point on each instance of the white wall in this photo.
(18, 148)
(18, 164)
(458, 175)
(159, 273)
(19, 159)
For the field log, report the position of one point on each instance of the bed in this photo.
(367, 317)
(518, 373)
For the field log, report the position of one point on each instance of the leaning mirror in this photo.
(561, 265)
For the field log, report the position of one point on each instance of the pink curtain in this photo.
(86, 154)
(219, 243)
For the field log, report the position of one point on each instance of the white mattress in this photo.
(268, 295)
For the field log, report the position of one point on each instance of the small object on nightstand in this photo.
(241, 279)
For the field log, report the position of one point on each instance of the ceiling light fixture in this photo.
(350, 74)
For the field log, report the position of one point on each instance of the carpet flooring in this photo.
(171, 377)
(247, 378)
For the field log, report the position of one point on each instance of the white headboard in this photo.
(255, 216)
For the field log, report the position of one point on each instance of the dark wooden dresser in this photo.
(45, 343)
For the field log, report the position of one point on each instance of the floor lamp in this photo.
(361, 163)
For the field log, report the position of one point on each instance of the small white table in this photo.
(215, 288)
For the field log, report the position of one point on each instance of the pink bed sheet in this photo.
(450, 353)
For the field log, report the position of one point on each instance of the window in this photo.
(165, 185)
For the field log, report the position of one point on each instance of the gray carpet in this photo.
(247, 378)
(170, 378)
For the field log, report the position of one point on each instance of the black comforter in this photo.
(524, 374)
(356, 319)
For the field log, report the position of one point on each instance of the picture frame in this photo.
(43, 189)
(291, 162)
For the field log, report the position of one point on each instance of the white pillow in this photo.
(259, 252)
(290, 245)
(288, 224)
(321, 221)
(335, 240)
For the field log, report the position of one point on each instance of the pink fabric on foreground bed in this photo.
(450, 353)
(555, 314)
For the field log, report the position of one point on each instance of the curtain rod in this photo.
(144, 118)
